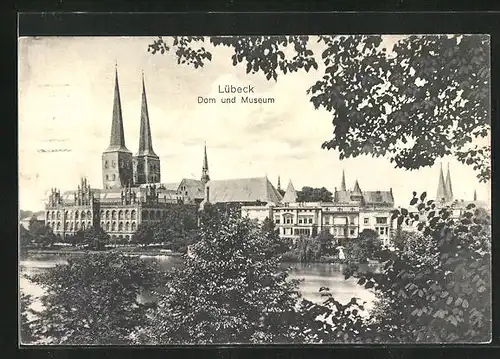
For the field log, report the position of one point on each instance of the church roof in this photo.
(243, 190)
(192, 188)
(117, 138)
(145, 141)
(290, 194)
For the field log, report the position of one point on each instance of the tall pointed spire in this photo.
(145, 142)
(441, 190)
(204, 171)
(290, 194)
(357, 188)
(342, 184)
(475, 196)
(279, 184)
(117, 138)
(449, 189)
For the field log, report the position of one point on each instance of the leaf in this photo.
(413, 201)
(423, 195)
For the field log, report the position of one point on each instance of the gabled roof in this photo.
(378, 197)
(195, 189)
(243, 190)
(290, 194)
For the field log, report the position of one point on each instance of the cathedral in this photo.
(132, 192)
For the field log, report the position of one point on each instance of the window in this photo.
(351, 232)
(339, 209)
(310, 220)
(353, 209)
(106, 165)
(114, 164)
(366, 220)
(327, 220)
(114, 177)
(381, 220)
(300, 220)
(277, 220)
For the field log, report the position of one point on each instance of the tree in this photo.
(425, 98)
(230, 289)
(178, 229)
(41, 234)
(93, 299)
(27, 335)
(437, 289)
(309, 194)
(143, 234)
(364, 247)
(276, 245)
(95, 238)
(326, 242)
(25, 239)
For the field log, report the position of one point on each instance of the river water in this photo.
(313, 276)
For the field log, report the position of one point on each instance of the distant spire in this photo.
(475, 196)
(441, 190)
(145, 142)
(117, 138)
(342, 184)
(290, 194)
(449, 190)
(279, 184)
(205, 177)
(357, 189)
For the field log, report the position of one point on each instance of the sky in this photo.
(66, 88)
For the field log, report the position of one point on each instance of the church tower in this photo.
(146, 162)
(204, 171)
(116, 159)
(447, 184)
(441, 195)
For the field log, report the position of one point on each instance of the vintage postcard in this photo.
(254, 189)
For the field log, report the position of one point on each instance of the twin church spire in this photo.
(444, 190)
(120, 168)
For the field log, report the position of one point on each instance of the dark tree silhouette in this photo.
(427, 97)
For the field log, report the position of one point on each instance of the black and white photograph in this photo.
(195, 190)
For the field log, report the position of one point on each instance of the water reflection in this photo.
(313, 276)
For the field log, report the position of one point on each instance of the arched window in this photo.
(89, 224)
(66, 225)
(107, 226)
(47, 215)
(76, 226)
(133, 214)
(53, 216)
(113, 215)
(133, 226)
(107, 214)
(113, 226)
(82, 216)
(120, 215)
(83, 225)
(103, 225)
(120, 227)
(71, 226)
(89, 215)
(76, 215)
(58, 226)
(114, 177)
(127, 227)
(107, 178)
(127, 214)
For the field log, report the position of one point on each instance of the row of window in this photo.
(84, 214)
(123, 163)
(382, 231)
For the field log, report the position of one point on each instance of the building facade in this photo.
(131, 191)
(345, 217)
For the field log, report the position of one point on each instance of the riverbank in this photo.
(70, 252)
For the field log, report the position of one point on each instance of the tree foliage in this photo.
(41, 235)
(93, 299)
(310, 194)
(426, 97)
(437, 289)
(230, 289)
(364, 247)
